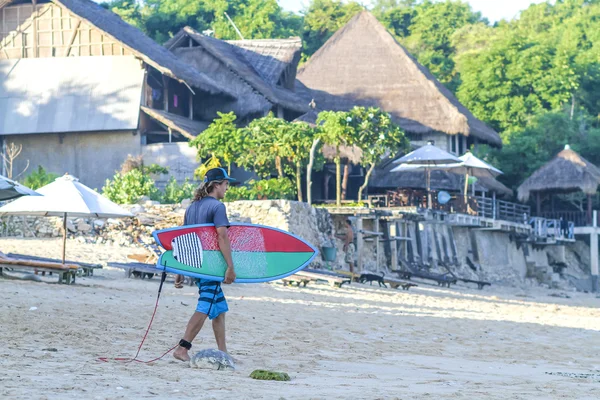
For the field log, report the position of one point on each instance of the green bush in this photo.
(130, 187)
(175, 193)
(39, 178)
(239, 193)
(267, 189)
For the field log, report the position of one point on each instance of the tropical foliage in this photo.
(527, 78)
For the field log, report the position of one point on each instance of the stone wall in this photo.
(498, 257)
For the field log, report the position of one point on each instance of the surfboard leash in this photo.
(129, 360)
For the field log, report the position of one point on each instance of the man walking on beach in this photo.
(208, 209)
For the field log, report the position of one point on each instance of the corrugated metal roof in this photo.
(74, 94)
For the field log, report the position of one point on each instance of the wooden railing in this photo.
(500, 209)
(579, 218)
(552, 228)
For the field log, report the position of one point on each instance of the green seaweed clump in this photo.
(269, 375)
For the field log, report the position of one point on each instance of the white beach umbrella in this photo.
(469, 165)
(427, 157)
(10, 189)
(65, 197)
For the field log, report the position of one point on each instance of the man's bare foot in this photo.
(181, 354)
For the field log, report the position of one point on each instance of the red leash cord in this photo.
(128, 360)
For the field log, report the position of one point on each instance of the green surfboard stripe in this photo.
(278, 263)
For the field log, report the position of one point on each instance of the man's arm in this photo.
(225, 247)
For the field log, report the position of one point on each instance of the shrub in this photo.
(267, 189)
(175, 193)
(128, 188)
(39, 178)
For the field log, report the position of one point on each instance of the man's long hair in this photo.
(204, 189)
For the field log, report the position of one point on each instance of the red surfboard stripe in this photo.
(242, 238)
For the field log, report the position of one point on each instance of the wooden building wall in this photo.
(47, 30)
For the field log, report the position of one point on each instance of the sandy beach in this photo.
(358, 342)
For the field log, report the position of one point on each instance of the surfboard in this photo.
(260, 253)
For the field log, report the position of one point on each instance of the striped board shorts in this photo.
(211, 300)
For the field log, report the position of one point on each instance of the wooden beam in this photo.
(72, 38)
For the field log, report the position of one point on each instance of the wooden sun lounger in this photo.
(442, 280)
(298, 280)
(66, 272)
(87, 269)
(143, 271)
(138, 270)
(396, 283)
(334, 281)
(480, 284)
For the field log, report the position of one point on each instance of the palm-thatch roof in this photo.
(141, 45)
(230, 56)
(362, 64)
(271, 57)
(187, 127)
(567, 172)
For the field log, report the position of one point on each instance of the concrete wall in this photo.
(91, 157)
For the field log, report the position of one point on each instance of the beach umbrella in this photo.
(65, 197)
(473, 166)
(428, 157)
(10, 189)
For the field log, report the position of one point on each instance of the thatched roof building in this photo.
(567, 172)
(276, 60)
(362, 64)
(229, 65)
(141, 45)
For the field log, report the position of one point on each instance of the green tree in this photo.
(221, 139)
(130, 11)
(298, 139)
(541, 62)
(377, 136)
(323, 18)
(541, 140)
(337, 130)
(265, 146)
(275, 144)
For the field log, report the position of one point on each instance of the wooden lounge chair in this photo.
(331, 278)
(480, 284)
(86, 269)
(144, 271)
(66, 272)
(396, 283)
(298, 280)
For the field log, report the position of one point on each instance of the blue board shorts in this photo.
(211, 300)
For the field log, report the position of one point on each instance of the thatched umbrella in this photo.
(567, 172)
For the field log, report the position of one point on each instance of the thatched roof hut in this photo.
(205, 53)
(362, 64)
(141, 45)
(276, 60)
(567, 172)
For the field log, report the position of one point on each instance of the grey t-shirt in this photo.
(206, 211)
